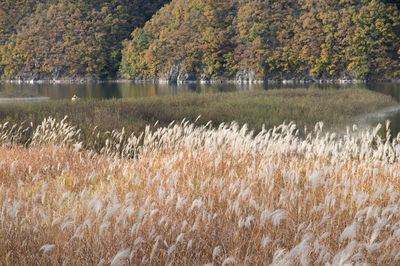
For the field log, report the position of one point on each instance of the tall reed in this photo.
(192, 195)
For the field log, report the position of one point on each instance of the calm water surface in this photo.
(133, 90)
(110, 90)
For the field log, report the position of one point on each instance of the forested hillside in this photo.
(67, 39)
(262, 39)
(199, 39)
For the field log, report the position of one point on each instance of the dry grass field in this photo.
(195, 195)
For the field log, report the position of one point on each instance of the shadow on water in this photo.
(392, 89)
(392, 114)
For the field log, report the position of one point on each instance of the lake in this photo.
(135, 90)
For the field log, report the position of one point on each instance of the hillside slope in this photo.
(273, 39)
(67, 39)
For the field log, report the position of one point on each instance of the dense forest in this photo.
(67, 39)
(267, 39)
(199, 39)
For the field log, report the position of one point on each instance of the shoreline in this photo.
(211, 82)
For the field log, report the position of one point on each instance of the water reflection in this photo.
(134, 90)
(113, 90)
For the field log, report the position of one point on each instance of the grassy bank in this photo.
(305, 107)
(195, 196)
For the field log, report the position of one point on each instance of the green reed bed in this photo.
(256, 108)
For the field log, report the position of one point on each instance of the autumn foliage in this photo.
(275, 39)
(55, 39)
(202, 39)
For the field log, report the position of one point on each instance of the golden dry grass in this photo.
(196, 195)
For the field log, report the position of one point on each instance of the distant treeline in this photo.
(271, 38)
(199, 39)
(51, 39)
